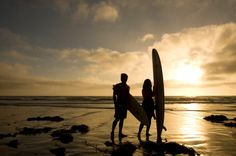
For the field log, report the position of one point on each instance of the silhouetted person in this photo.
(148, 106)
(120, 98)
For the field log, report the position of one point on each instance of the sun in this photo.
(188, 74)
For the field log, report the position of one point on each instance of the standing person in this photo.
(148, 106)
(120, 98)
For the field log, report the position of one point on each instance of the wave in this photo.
(100, 100)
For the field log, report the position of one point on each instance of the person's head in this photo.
(147, 84)
(124, 77)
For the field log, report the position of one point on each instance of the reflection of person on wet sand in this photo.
(148, 106)
(120, 98)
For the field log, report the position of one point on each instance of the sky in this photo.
(80, 47)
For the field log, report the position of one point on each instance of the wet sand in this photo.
(185, 125)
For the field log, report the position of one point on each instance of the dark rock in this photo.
(126, 149)
(34, 131)
(216, 118)
(7, 135)
(81, 128)
(168, 148)
(58, 151)
(47, 118)
(230, 124)
(109, 143)
(57, 133)
(13, 143)
(65, 138)
(175, 148)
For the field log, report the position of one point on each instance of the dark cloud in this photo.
(221, 67)
(10, 40)
(224, 57)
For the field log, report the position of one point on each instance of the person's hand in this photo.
(154, 89)
(154, 117)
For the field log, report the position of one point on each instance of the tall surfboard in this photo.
(159, 93)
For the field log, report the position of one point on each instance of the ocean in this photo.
(183, 119)
(106, 101)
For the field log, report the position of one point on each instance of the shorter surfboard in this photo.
(137, 110)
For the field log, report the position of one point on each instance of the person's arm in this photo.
(144, 94)
(154, 90)
(114, 95)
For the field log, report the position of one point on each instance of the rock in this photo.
(57, 133)
(58, 151)
(126, 149)
(13, 143)
(7, 135)
(65, 138)
(172, 148)
(230, 124)
(81, 128)
(108, 143)
(175, 148)
(34, 131)
(216, 118)
(47, 118)
(64, 135)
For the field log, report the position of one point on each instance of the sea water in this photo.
(98, 100)
(183, 119)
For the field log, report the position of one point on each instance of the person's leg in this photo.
(148, 128)
(139, 131)
(113, 129)
(120, 129)
(114, 124)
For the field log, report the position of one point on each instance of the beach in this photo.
(184, 122)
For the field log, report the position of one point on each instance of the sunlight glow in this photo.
(188, 74)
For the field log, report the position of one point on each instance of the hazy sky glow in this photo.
(80, 47)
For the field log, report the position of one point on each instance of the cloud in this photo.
(106, 65)
(10, 40)
(62, 5)
(17, 44)
(17, 79)
(32, 70)
(98, 11)
(106, 12)
(147, 37)
(82, 11)
(12, 71)
(14, 54)
(224, 57)
(81, 71)
(209, 48)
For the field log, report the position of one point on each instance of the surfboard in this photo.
(137, 110)
(159, 93)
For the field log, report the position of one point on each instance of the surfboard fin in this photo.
(164, 128)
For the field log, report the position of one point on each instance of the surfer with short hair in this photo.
(148, 106)
(120, 98)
